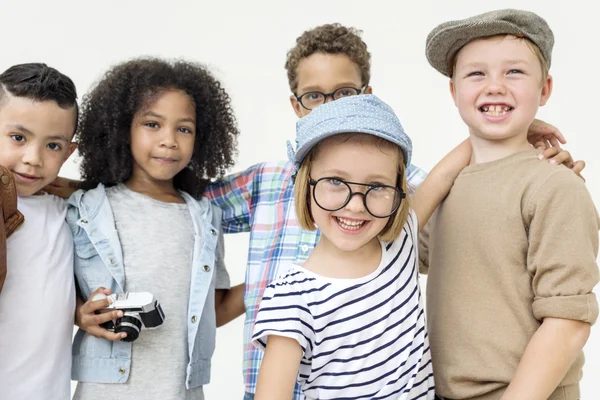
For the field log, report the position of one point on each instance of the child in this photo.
(38, 116)
(349, 322)
(512, 252)
(329, 59)
(151, 132)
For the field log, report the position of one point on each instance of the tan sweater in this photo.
(515, 241)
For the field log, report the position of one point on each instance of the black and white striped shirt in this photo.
(362, 338)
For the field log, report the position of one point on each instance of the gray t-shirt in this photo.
(157, 240)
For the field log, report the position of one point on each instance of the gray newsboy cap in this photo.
(446, 39)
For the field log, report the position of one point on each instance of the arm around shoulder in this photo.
(439, 181)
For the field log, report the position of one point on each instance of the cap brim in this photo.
(307, 147)
(444, 43)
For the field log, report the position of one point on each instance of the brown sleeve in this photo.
(563, 247)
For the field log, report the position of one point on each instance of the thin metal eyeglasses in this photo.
(333, 194)
(313, 99)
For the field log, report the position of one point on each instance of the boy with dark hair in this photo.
(38, 116)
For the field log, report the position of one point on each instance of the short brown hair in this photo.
(532, 46)
(329, 39)
(302, 196)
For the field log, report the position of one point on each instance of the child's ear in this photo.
(452, 91)
(296, 106)
(546, 90)
(72, 147)
(368, 90)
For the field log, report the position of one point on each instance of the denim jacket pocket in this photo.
(89, 276)
(88, 346)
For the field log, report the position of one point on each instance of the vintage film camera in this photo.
(140, 310)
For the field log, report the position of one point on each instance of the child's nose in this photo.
(169, 140)
(356, 203)
(32, 156)
(495, 86)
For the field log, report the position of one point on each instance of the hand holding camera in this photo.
(119, 316)
(89, 318)
(140, 311)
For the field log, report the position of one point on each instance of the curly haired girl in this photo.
(152, 134)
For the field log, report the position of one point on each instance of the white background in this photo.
(245, 44)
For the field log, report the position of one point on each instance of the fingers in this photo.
(547, 131)
(62, 187)
(542, 145)
(556, 134)
(91, 317)
(548, 152)
(102, 333)
(578, 166)
(554, 142)
(558, 156)
(102, 290)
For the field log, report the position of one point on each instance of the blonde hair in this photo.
(532, 46)
(302, 196)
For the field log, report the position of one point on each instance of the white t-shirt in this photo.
(37, 304)
(361, 338)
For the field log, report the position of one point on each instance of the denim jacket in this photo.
(99, 262)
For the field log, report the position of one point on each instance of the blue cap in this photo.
(364, 113)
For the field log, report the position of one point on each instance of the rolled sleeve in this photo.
(580, 307)
(563, 247)
(233, 195)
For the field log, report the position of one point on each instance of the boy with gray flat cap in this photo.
(511, 254)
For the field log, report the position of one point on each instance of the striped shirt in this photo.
(260, 200)
(361, 338)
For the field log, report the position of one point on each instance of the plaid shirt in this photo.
(260, 200)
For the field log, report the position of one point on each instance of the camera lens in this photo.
(129, 324)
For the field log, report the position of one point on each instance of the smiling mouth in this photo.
(350, 224)
(495, 110)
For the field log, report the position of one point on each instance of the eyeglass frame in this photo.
(326, 95)
(312, 182)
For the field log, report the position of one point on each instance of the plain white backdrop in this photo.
(245, 44)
